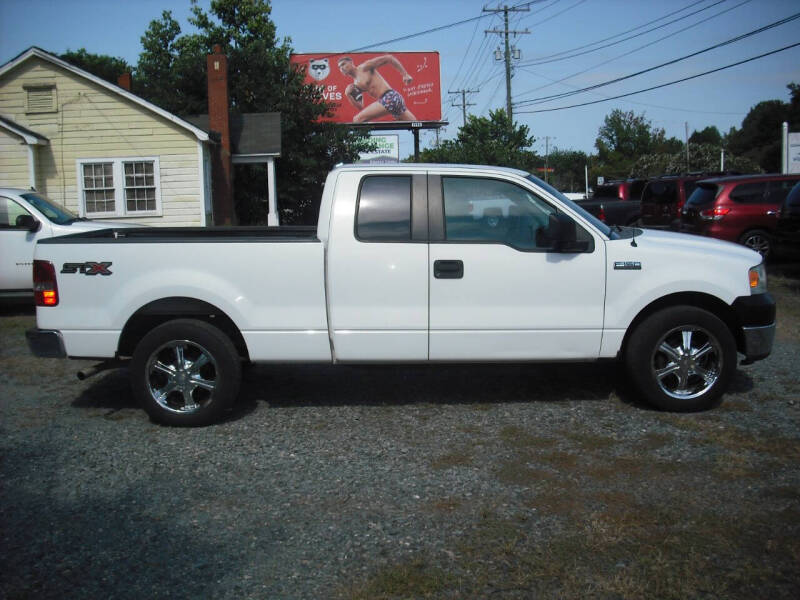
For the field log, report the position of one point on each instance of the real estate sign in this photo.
(793, 150)
(369, 87)
(387, 147)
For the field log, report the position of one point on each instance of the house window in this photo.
(120, 187)
(41, 98)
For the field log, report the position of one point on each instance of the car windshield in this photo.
(54, 212)
(602, 227)
(704, 193)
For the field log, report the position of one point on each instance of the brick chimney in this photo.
(124, 81)
(218, 120)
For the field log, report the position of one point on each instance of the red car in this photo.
(741, 209)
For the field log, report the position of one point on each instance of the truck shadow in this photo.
(283, 386)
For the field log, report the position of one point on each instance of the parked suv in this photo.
(663, 198)
(624, 189)
(787, 231)
(740, 209)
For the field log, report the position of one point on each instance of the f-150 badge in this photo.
(87, 268)
(628, 265)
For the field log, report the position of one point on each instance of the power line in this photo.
(732, 40)
(622, 32)
(663, 85)
(605, 62)
(542, 61)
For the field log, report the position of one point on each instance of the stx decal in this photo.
(87, 268)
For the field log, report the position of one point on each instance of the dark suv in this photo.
(663, 199)
(787, 231)
(624, 189)
(740, 209)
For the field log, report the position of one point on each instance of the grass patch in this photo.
(452, 459)
(653, 440)
(519, 472)
(517, 437)
(588, 441)
(413, 579)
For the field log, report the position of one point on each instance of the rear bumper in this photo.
(756, 315)
(46, 343)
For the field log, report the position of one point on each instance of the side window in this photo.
(384, 209)
(9, 211)
(489, 210)
(778, 190)
(749, 193)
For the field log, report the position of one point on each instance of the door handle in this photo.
(448, 269)
(772, 213)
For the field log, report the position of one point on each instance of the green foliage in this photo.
(623, 138)
(172, 74)
(709, 135)
(486, 141)
(568, 169)
(101, 65)
(702, 157)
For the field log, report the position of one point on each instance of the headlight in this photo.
(758, 279)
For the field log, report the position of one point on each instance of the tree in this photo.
(702, 157)
(567, 166)
(260, 79)
(709, 135)
(623, 138)
(487, 141)
(101, 65)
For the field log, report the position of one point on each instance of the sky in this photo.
(586, 37)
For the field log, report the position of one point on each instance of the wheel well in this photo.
(156, 313)
(707, 302)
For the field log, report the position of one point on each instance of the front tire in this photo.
(186, 373)
(681, 359)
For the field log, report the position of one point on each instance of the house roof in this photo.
(252, 134)
(33, 51)
(30, 137)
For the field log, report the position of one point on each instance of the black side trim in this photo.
(435, 209)
(755, 311)
(186, 235)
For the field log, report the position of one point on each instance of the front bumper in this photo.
(756, 316)
(46, 343)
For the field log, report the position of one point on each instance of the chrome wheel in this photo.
(687, 362)
(757, 242)
(181, 376)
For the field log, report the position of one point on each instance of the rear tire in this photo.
(681, 359)
(758, 240)
(186, 373)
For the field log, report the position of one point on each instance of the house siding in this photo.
(13, 161)
(92, 122)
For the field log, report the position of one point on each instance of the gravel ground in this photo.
(511, 481)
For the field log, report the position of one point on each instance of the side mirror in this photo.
(28, 222)
(562, 230)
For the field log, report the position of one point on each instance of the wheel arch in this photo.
(155, 313)
(712, 304)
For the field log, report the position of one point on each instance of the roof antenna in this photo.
(633, 239)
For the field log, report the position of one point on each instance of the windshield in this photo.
(54, 212)
(602, 227)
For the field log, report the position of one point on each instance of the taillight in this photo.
(45, 288)
(714, 214)
(602, 214)
(680, 207)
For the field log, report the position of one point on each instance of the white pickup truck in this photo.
(25, 218)
(409, 263)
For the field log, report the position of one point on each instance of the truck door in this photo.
(377, 268)
(16, 247)
(498, 290)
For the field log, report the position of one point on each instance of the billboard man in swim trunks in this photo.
(367, 79)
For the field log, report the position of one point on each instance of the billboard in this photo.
(372, 87)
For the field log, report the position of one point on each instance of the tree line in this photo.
(170, 73)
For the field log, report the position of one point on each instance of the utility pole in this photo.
(507, 54)
(547, 153)
(464, 103)
(686, 132)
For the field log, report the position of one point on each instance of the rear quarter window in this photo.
(660, 192)
(384, 209)
(703, 194)
(749, 193)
